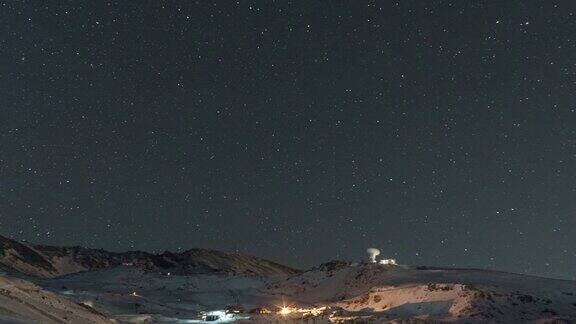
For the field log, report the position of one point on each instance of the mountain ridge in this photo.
(140, 286)
(53, 261)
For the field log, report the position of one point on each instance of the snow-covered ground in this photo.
(399, 292)
(380, 292)
(24, 302)
(78, 285)
(123, 291)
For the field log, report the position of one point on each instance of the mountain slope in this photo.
(24, 302)
(24, 258)
(50, 261)
(378, 293)
(176, 287)
(400, 292)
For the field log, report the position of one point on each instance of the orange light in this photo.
(287, 310)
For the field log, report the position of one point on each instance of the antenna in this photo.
(372, 254)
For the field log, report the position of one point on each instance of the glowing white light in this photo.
(285, 311)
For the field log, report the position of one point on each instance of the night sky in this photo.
(441, 132)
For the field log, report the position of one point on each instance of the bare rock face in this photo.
(333, 265)
(51, 261)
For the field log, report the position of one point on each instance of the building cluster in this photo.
(374, 252)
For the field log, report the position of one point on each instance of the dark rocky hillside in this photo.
(52, 261)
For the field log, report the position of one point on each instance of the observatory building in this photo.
(374, 252)
(388, 261)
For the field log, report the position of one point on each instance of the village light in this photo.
(315, 311)
(285, 311)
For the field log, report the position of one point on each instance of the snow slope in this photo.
(400, 292)
(175, 288)
(128, 292)
(24, 302)
(382, 293)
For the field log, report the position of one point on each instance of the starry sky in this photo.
(441, 132)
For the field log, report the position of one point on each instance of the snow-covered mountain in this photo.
(389, 292)
(50, 261)
(176, 288)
